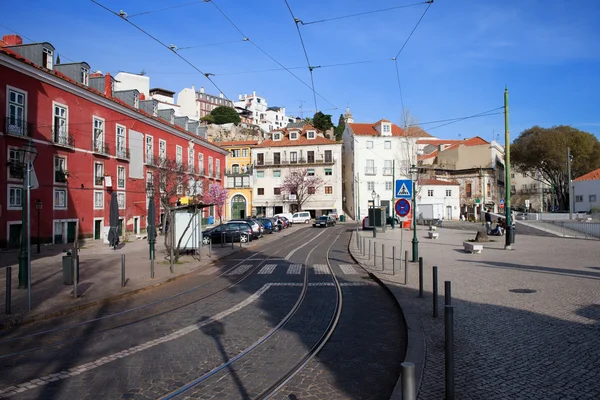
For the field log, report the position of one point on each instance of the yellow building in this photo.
(238, 178)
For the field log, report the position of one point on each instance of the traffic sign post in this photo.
(403, 189)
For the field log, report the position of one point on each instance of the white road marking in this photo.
(210, 271)
(267, 269)
(240, 270)
(348, 269)
(294, 269)
(321, 269)
(291, 253)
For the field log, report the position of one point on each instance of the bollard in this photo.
(75, 261)
(435, 292)
(406, 269)
(241, 239)
(369, 249)
(406, 260)
(393, 260)
(233, 242)
(152, 265)
(420, 276)
(383, 257)
(122, 270)
(374, 254)
(8, 299)
(364, 245)
(357, 240)
(448, 293)
(449, 350)
(209, 246)
(409, 386)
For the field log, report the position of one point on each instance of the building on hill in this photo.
(197, 104)
(259, 113)
(296, 149)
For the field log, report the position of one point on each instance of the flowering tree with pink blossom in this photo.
(298, 182)
(216, 195)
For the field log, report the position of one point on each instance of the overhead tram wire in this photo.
(165, 8)
(268, 55)
(172, 48)
(481, 114)
(361, 13)
(31, 40)
(211, 44)
(465, 118)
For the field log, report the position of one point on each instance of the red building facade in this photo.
(90, 141)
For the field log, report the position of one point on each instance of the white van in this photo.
(302, 217)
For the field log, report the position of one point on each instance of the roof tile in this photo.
(590, 176)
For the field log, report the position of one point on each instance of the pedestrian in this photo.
(488, 221)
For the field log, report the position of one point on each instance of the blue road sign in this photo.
(402, 207)
(403, 188)
(501, 201)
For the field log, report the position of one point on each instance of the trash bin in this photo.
(67, 267)
(511, 234)
(342, 218)
(211, 220)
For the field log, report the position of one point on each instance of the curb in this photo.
(416, 346)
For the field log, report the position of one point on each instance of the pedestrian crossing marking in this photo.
(348, 269)
(267, 269)
(403, 191)
(240, 270)
(210, 271)
(294, 269)
(321, 269)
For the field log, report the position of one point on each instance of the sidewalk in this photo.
(99, 275)
(519, 315)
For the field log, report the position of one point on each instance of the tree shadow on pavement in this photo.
(535, 268)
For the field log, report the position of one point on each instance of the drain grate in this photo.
(522, 290)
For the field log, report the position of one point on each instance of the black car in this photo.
(255, 226)
(227, 233)
(324, 221)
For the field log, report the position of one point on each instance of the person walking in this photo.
(488, 221)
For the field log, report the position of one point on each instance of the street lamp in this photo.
(151, 223)
(28, 154)
(414, 175)
(373, 196)
(38, 207)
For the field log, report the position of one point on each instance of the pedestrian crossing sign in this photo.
(403, 188)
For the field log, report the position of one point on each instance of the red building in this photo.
(91, 141)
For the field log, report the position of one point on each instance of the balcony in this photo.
(101, 148)
(60, 176)
(16, 169)
(191, 169)
(150, 160)
(370, 170)
(63, 139)
(201, 172)
(239, 171)
(269, 162)
(387, 171)
(123, 153)
(17, 127)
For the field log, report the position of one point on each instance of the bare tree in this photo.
(298, 182)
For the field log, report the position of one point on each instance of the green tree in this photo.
(544, 151)
(208, 119)
(322, 121)
(225, 115)
(339, 129)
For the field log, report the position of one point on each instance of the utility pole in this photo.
(507, 183)
(569, 157)
(393, 194)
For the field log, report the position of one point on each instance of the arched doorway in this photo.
(238, 206)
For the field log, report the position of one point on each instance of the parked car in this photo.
(226, 233)
(324, 221)
(388, 220)
(287, 216)
(256, 233)
(269, 225)
(279, 223)
(302, 217)
(260, 225)
(334, 216)
(286, 221)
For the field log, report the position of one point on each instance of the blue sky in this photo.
(456, 64)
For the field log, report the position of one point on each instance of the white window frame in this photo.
(244, 152)
(277, 136)
(278, 173)
(101, 193)
(162, 150)
(16, 129)
(387, 144)
(179, 155)
(370, 186)
(121, 145)
(293, 135)
(55, 170)
(63, 133)
(388, 186)
(123, 204)
(179, 185)
(95, 176)
(119, 169)
(10, 159)
(369, 144)
(262, 174)
(387, 128)
(201, 163)
(448, 192)
(85, 76)
(149, 178)
(9, 206)
(49, 58)
(218, 168)
(210, 166)
(98, 125)
(429, 192)
(325, 190)
(55, 204)
(311, 135)
(149, 149)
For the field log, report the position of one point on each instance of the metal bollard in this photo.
(420, 276)
(122, 270)
(393, 260)
(406, 260)
(406, 269)
(75, 261)
(409, 386)
(152, 266)
(357, 240)
(364, 245)
(374, 254)
(241, 239)
(369, 249)
(449, 350)
(7, 299)
(447, 293)
(435, 291)
(209, 246)
(383, 257)
(233, 242)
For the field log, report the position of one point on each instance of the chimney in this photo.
(11, 40)
(201, 90)
(240, 97)
(193, 89)
(108, 89)
(298, 119)
(221, 95)
(142, 96)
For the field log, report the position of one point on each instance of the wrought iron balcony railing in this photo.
(101, 148)
(63, 139)
(370, 170)
(123, 153)
(293, 161)
(17, 127)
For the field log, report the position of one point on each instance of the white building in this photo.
(197, 104)
(440, 196)
(586, 191)
(374, 156)
(267, 118)
(298, 147)
(165, 99)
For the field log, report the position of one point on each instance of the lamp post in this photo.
(414, 175)
(38, 207)
(28, 154)
(373, 196)
(151, 221)
(569, 159)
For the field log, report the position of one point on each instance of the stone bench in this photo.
(473, 247)
(432, 228)
(433, 235)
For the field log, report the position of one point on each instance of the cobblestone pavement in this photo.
(527, 320)
(143, 355)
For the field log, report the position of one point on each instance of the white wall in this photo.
(186, 99)
(127, 81)
(586, 189)
(439, 197)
